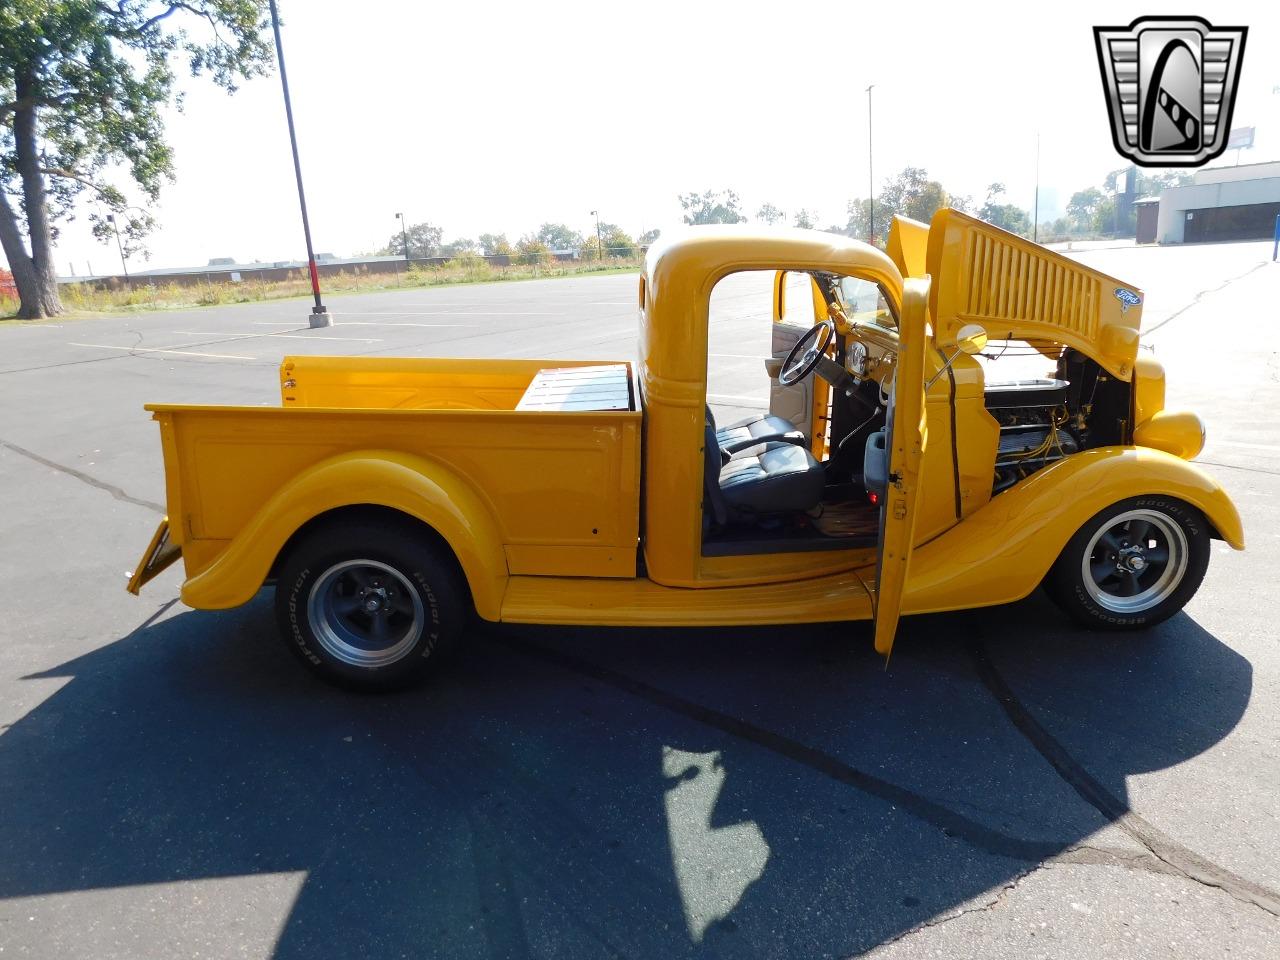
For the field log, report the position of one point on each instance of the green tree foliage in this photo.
(859, 224)
(530, 250)
(495, 245)
(647, 238)
(617, 242)
(910, 194)
(804, 219)
(424, 241)
(614, 241)
(1124, 222)
(1147, 183)
(1106, 219)
(770, 214)
(1094, 211)
(1083, 209)
(558, 236)
(1007, 216)
(459, 247)
(1150, 184)
(83, 86)
(714, 206)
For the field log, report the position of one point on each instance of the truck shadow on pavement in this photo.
(765, 792)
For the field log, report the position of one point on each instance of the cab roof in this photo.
(707, 253)
(682, 269)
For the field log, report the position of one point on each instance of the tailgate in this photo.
(160, 554)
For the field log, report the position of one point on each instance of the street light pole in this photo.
(320, 316)
(1035, 217)
(871, 180)
(404, 236)
(119, 246)
(599, 238)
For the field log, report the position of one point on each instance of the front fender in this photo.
(416, 486)
(1001, 552)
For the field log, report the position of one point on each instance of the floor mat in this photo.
(848, 520)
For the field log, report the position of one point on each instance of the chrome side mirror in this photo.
(971, 339)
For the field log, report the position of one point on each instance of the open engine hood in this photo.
(1018, 290)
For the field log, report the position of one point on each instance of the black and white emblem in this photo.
(1170, 84)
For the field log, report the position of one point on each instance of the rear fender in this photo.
(1001, 552)
(415, 486)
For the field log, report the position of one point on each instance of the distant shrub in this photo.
(146, 294)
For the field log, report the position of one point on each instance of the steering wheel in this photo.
(804, 356)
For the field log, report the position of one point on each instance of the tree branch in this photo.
(109, 193)
(170, 9)
(173, 8)
(26, 103)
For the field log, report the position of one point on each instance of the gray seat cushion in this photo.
(747, 436)
(782, 478)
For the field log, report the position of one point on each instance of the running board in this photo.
(640, 602)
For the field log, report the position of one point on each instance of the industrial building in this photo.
(1223, 203)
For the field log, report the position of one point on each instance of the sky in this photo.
(497, 116)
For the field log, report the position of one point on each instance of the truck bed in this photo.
(400, 383)
(562, 485)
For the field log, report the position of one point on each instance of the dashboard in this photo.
(871, 351)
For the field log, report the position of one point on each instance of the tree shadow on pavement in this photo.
(572, 792)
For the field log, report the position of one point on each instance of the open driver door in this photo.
(902, 444)
(797, 305)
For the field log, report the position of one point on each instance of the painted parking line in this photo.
(273, 336)
(441, 305)
(760, 402)
(371, 323)
(184, 353)
(1246, 445)
(454, 313)
(305, 336)
(397, 323)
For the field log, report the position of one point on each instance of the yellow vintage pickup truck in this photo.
(390, 501)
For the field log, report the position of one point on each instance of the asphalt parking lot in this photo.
(172, 784)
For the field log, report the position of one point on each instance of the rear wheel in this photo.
(371, 605)
(1132, 565)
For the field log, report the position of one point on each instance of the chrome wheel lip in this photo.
(344, 639)
(1167, 575)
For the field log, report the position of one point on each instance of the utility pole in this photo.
(119, 246)
(320, 316)
(871, 180)
(1035, 217)
(404, 236)
(599, 238)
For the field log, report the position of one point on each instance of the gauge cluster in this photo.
(868, 359)
(856, 360)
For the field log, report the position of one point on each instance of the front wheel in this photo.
(370, 605)
(1133, 565)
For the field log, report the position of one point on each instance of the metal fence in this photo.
(264, 273)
